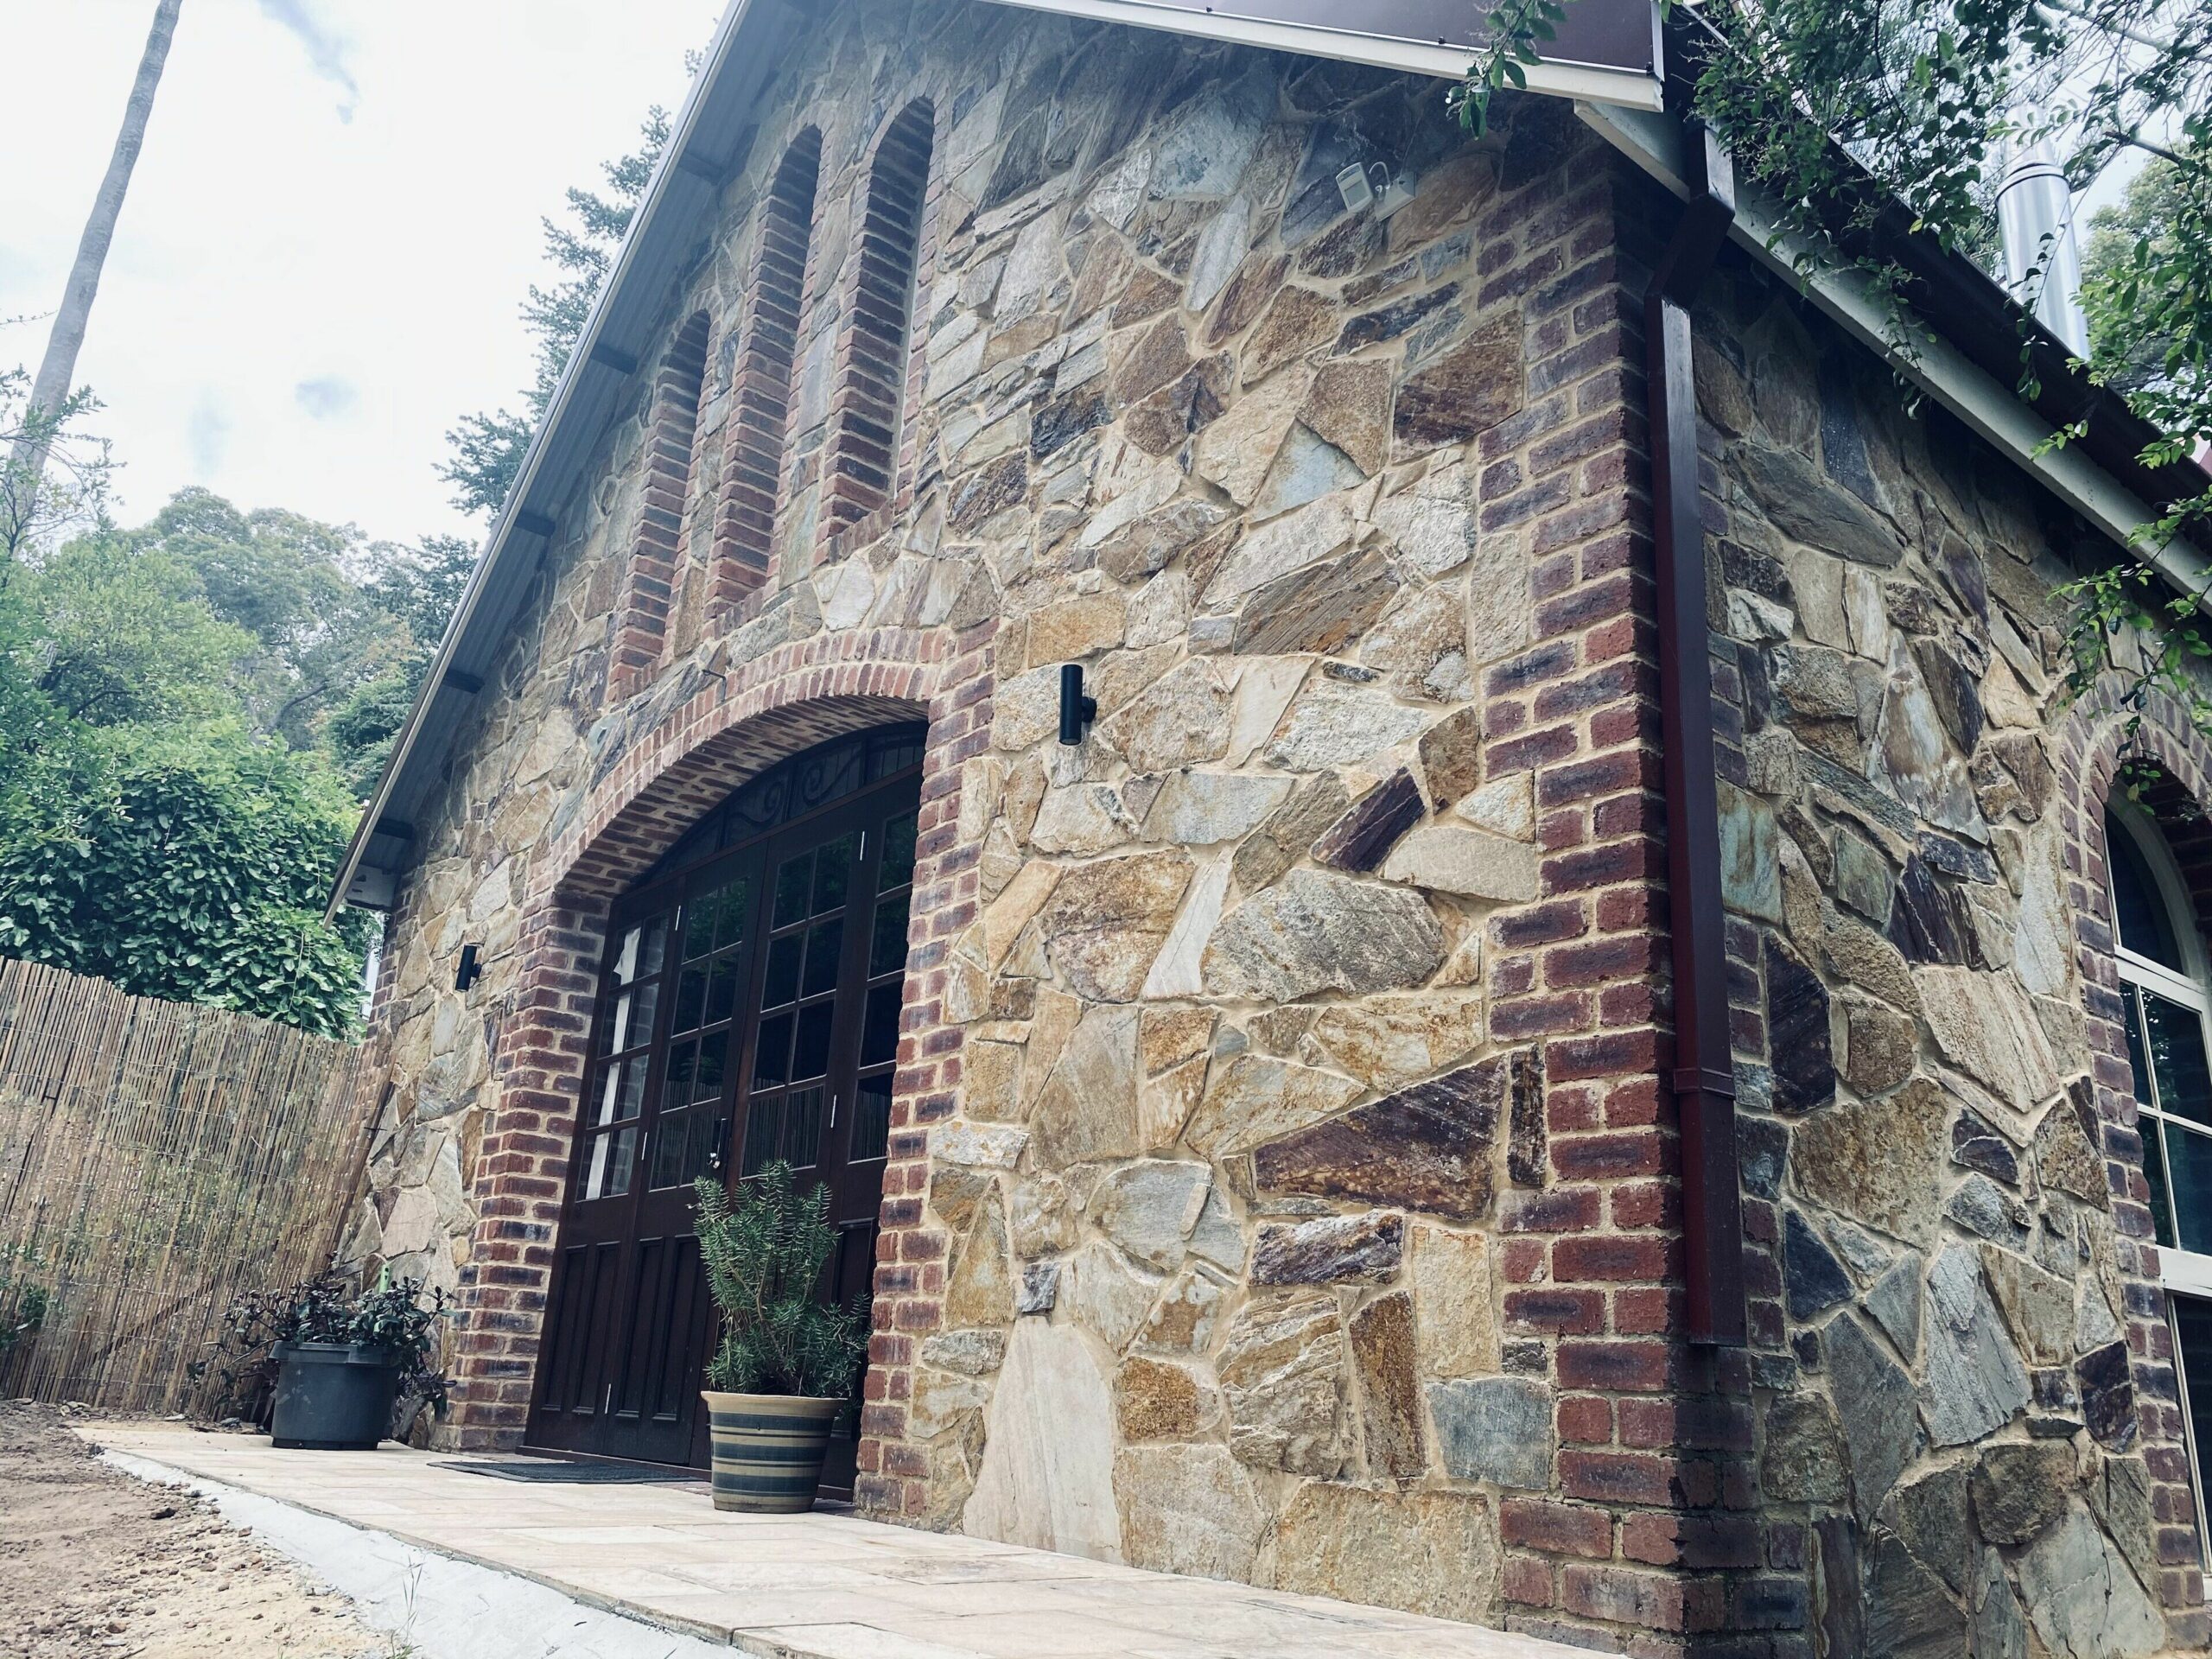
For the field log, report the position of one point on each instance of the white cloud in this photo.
(327, 50)
(269, 246)
(207, 437)
(326, 397)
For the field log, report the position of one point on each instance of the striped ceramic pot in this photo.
(768, 1449)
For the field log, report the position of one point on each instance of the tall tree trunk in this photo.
(51, 389)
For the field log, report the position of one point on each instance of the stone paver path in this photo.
(810, 1586)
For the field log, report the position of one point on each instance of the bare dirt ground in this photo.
(93, 1563)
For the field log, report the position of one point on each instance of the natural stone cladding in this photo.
(1967, 1430)
(1281, 1180)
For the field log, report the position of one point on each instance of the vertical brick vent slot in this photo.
(641, 627)
(761, 389)
(864, 442)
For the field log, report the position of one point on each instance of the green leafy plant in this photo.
(22, 1322)
(186, 864)
(190, 712)
(24, 1305)
(394, 1315)
(1515, 29)
(765, 1250)
(2138, 251)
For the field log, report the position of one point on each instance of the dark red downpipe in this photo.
(1704, 1079)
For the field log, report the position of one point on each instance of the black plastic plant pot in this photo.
(332, 1396)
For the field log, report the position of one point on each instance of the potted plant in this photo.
(326, 1364)
(787, 1363)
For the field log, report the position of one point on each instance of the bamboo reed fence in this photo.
(156, 1159)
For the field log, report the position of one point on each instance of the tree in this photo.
(126, 636)
(189, 712)
(296, 587)
(51, 392)
(337, 624)
(184, 863)
(66, 488)
(420, 590)
(422, 586)
(150, 833)
(2147, 216)
(273, 573)
(485, 450)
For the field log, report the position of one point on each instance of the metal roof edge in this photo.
(1555, 77)
(515, 508)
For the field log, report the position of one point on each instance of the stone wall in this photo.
(1281, 1175)
(1276, 1135)
(1965, 1414)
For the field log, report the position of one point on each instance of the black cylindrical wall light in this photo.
(1077, 711)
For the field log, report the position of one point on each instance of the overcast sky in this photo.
(332, 222)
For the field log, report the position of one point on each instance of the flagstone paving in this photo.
(820, 1586)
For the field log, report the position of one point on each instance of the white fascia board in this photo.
(1993, 410)
(1594, 83)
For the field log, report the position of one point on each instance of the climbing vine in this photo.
(1832, 109)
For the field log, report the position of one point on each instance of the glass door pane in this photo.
(688, 1134)
(2138, 908)
(886, 982)
(2176, 1037)
(2189, 1186)
(2147, 1123)
(788, 1099)
(616, 1093)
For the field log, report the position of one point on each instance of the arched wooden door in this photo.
(748, 1010)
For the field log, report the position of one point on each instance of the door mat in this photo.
(580, 1472)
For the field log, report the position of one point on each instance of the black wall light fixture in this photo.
(471, 967)
(1077, 711)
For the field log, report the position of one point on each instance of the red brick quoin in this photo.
(1645, 1524)
(795, 697)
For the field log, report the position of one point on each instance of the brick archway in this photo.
(2100, 735)
(796, 695)
(790, 699)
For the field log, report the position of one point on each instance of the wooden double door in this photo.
(748, 1010)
